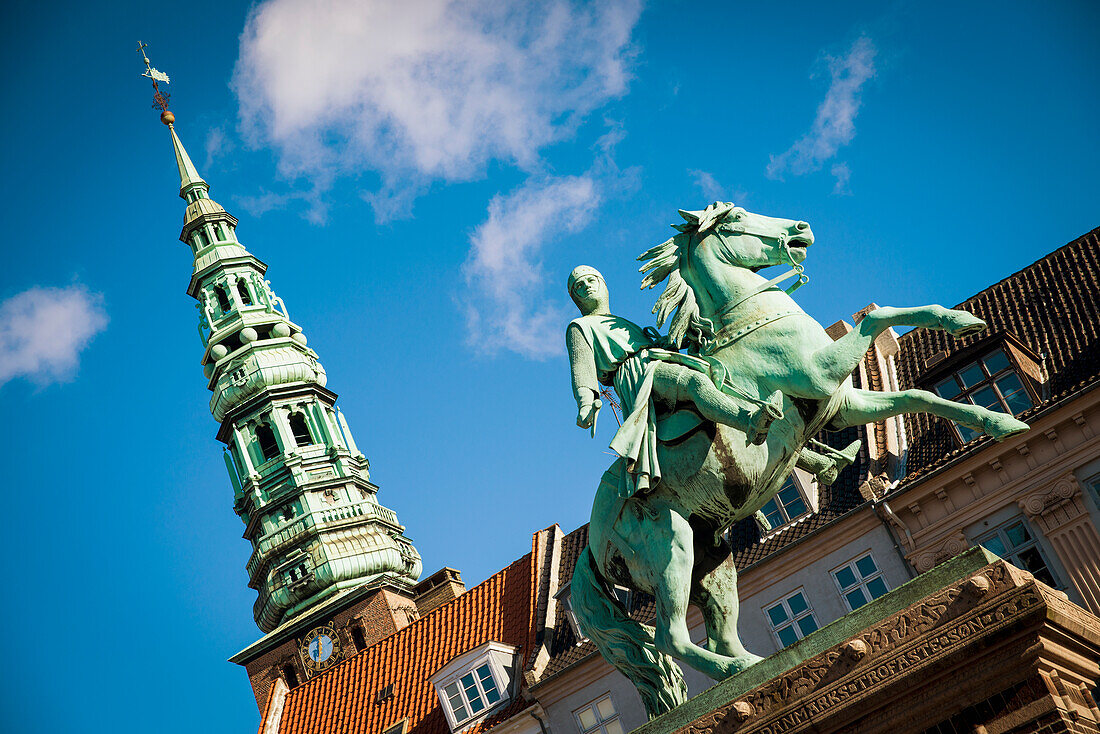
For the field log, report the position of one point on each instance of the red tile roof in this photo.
(342, 699)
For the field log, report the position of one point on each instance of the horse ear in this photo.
(689, 216)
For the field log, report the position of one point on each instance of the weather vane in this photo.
(160, 98)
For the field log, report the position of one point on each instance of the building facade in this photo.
(355, 643)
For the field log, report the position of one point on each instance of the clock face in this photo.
(320, 649)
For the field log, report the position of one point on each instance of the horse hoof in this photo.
(828, 476)
(962, 323)
(1002, 426)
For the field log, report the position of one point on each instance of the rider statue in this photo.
(614, 351)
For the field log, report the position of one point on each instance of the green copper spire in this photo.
(300, 484)
(189, 176)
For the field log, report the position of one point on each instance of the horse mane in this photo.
(678, 299)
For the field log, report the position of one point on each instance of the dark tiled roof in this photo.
(833, 502)
(1052, 306)
(342, 700)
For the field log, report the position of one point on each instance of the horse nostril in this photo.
(801, 226)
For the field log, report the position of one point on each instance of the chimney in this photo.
(438, 589)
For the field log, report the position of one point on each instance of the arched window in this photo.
(290, 675)
(242, 289)
(300, 430)
(358, 638)
(268, 446)
(223, 299)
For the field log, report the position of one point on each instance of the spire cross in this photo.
(160, 98)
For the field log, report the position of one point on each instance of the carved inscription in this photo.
(826, 681)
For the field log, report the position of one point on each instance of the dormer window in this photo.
(475, 683)
(990, 381)
(788, 504)
(565, 601)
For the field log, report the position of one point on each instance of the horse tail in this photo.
(625, 643)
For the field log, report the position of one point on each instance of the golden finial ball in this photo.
(167, 117)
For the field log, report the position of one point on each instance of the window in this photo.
(290, 676)
(300, 430)
(1014, 543)
(400, 727)
(242, 289)
(989, 382)
(791, 618)
(788, 504)
(223, 299)
(476, 682)
(599, 717)
(358, 639)
(472, 693)
(565, 599)
(860, 581)
(269, 447)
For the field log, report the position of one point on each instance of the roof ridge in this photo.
(1011, 276)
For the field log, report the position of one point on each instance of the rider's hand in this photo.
(586, 413)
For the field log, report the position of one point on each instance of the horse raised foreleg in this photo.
(670, 581)
(836, 361)
(866, 406)
(714, 591)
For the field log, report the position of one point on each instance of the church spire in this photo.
(189, 175)
(300, 483)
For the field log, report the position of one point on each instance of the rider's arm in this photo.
(582, 365)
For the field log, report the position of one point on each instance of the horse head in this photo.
(749, 240)
(730, 237)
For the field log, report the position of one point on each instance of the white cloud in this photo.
(43, 330)
(834, 125)
(422, 90)
(842, 173)
(505, 283)
(218, 144)
(712, 189)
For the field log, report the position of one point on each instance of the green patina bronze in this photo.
(709, 436)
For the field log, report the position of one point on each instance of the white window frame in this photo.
(809, 498)
(497, 656)
(861, 580)
(564, 597)
(601, 722)
(791, 617)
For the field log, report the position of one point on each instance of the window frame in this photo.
(593, 705)
(861, 580)
(492, 654)
(564, 598)
(792, 618)
(1013, 552)
(1022, 361)
(810, 509)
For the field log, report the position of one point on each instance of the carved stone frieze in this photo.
(935, 628)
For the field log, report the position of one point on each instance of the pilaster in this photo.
(1060, 513)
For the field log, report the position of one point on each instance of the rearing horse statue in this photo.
(666, 537)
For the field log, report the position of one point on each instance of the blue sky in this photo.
(420, 178)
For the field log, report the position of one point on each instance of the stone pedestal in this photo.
(974, 645)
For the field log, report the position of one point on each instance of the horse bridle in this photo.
(784, 241)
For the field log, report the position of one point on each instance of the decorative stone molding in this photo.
(926, 558)
(1055, 503)
(1060, 514)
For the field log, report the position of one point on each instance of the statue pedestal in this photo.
(974, 645)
